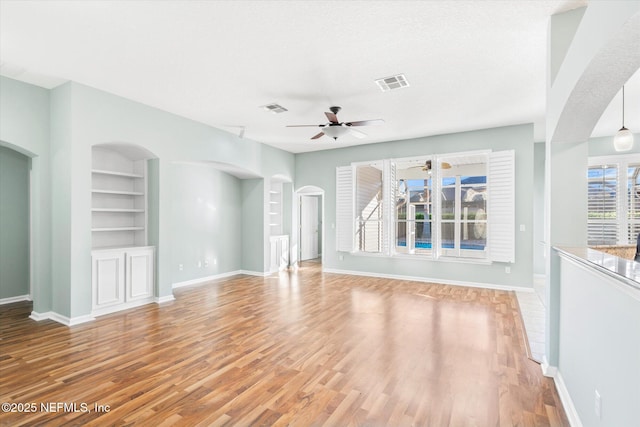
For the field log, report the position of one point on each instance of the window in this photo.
(456, 206)
(463, 207)
(613, 200)
(413, 214)
(602, 223)
(633, 196)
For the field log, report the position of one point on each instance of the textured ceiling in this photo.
(470, 64)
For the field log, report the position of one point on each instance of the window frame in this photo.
(622, 162)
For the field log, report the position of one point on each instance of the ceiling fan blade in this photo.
(357, 133)
(332, 117)
(318, 135)
(445, 165)
(365, 122)
(303, 126)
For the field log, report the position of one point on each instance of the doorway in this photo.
(310, 213)
(310, 227)
(15, 215)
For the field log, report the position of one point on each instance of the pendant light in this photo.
(623, 141)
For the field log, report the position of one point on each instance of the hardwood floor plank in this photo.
(301, 348)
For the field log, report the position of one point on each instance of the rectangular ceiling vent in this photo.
(274, 108)
(393, 82)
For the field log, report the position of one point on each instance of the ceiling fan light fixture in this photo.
(335, 131)
(623, 140)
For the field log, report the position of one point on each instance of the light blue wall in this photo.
(538, 209)
(61, 194)
(24, 119)
(253, 231)
(14, 224)
(207, 210)
(153, 210)
(319, 169)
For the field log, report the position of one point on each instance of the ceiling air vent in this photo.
(392, 82)
(274, 108)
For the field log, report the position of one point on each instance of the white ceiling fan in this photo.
(335, 128)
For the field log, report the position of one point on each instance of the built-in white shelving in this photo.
(118, 229)
(123, 193)
(122, 263)
(116, 173)
(275, 209)
(116, 210)
(118, 198)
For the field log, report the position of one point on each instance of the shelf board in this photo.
(115, 173)
(123, 193)
(117, 210)
(118, 229)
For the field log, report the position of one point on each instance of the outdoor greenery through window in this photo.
(463, 208)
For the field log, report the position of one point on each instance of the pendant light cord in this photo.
(622, 105)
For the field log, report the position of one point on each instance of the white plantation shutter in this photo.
(389, 188)
(369, 208)
(602, 205)
(501, 206)
(344, 209)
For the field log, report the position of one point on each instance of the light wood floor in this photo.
(302, 348)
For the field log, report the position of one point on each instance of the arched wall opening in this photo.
(604, 53)
(15, 224)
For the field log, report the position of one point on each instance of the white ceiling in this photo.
(470, 64)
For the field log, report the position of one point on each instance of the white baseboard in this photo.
(120, 307)
(430, 280)
(207, 279)
(548, 370)
(18, 298)
(166, 298)
(255, 273)
(567, 403)
(56, 317)
(39, 316)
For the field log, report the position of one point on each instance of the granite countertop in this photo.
(627, 271)
(623, 251)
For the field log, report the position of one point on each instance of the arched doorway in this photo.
(15, 227)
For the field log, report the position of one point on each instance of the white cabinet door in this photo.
(108, 278)
(139, 274)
